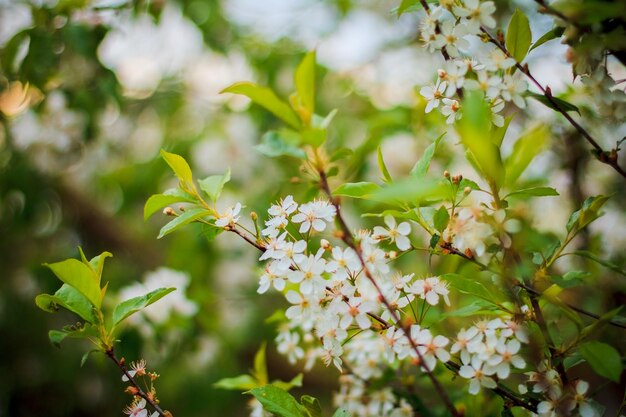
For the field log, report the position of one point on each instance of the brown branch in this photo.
(111, 354)
(606, 157)
(503, 392)
(573, 307)
(349, 240)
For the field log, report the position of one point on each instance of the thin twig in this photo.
(349, 240)
(608, 158)
(111, 354)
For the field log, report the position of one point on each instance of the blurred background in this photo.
(90, 91)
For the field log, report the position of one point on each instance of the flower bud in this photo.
(467, 190)
(446, 173)
(254, 216)
(392, 254)
(168, 211)
(131, 390)
(325, 244)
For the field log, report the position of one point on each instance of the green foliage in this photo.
(421, 166)
(186, 217)
(382, 167)
(533, 192)
(169, 197)
(484, 154)
(282, 404)
(518, 36)
(589, 212)
(305, 87)
(82, 295)
(603, 358)
(280, 143)
(527, 147)
(554, 33)
(181, 169)
(214, 185)
(266, 98)
(129, 307)
(550, 102)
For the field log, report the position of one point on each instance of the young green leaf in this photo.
(533, 192)
(610, 265)
(312, 405)
(296, 381)
(441, 219)
(357, 189)
(382, 167)
(185, 218)
(135, 304)
(274, 144)
(304, 80)
(214, 185)
(341, 413)
(497, 135)
(473, 129)
(527, 147)
(554, 33)
(421, 166)
(179, 166)
(75, 273)
(158, 201)
(279, 402)
(56, 337)
(266, 98)
(241, 382)
(589, 212)
(518, 36)
(260, 366)
(313, 136)
(412, 190)
(603, 358)
(97, 264)
(554, 103)
(70, 299)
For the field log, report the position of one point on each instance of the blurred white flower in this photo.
(141, 53)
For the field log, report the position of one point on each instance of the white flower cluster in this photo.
(488, 350)
(449, 28)
(345, 305)
(559, 400)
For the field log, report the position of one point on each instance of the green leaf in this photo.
(473, 129)
(295, 382)
(341, 413)
(266, 98)
(158, 201)
(421, 167)
(179, 166)
(241, 382)
(75, 273)
(593, 257)
(382, 167)
(471, 286)
(214, 185)
(275, 144)
(589, 212)
(85, 356)
(260, 366)
(603, 358)
(357, 189)
(312, 405)
(135, 304)
(553, 33)
(411, 190)
(533, 192)
(527, 147)
(56, 337)
(185, 218)
(314, 137)
(560, 103)
(518, 36)
(595, 328)
(497, 135)
(304, 80)
(97, 264)
(441, 219)
(571, 279)
(279, 402)
(70, 299)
